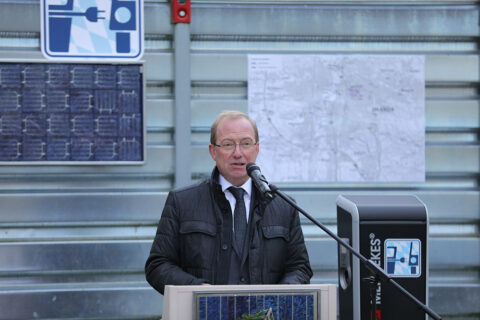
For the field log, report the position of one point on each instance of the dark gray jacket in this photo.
(193, 243)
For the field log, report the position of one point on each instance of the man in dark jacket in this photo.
(223, 230)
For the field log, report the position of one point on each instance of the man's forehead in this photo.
(235, 126)
(247, 139)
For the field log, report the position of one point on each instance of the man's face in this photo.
(232, 164)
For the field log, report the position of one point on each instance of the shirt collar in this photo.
(247, 186)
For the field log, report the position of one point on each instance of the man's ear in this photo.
(211, 149)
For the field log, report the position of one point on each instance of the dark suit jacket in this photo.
(193, 243)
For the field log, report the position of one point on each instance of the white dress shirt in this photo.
(247, 196)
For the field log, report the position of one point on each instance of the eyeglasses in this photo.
(230, 145)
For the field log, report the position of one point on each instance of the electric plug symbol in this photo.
(92, 14)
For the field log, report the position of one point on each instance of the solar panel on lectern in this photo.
(298, 306)
(71, 113)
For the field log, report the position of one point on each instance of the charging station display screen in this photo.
(403, 257)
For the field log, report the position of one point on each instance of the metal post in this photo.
(183, 150)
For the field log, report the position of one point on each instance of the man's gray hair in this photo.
(231, 114)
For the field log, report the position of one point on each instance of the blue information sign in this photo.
(79, 29)
(403, 257)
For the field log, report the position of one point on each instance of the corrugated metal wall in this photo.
(73, 239)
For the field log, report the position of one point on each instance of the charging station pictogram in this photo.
(402, 257)
(111, 29)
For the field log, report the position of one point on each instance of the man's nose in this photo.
(237, 151)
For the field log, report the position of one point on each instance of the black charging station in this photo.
(392, 232)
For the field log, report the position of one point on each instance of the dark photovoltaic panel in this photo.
(71, 112)
(233, 306)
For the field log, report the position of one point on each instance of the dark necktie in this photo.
(240, 217)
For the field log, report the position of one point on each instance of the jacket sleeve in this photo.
(298, 270)
(163, 264)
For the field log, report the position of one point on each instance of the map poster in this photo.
(339, 118)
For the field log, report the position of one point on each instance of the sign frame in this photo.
(62, 15)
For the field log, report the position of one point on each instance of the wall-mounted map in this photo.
(339, 118)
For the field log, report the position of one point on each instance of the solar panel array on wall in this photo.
(83, 113)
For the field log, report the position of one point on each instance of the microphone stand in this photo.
(378, 274)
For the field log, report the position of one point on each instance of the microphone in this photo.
(261, 183)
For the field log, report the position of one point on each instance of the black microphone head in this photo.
(250, 167)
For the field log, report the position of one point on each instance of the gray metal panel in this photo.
(452, 158)
(10, 11)
(159, 113)
(335, 19)
(73, 256)
(79, 231)
(107, 301)
(81, 207)
(452, 113)
(21, 55)
(204, 110)
(158, 66)
(455, 299)
(66, 182)
(157, 17)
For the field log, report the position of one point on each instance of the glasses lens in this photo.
(229, 145)
(246, 144)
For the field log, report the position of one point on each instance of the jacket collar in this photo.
(216, 189)
(214, 180)
(260, 202)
